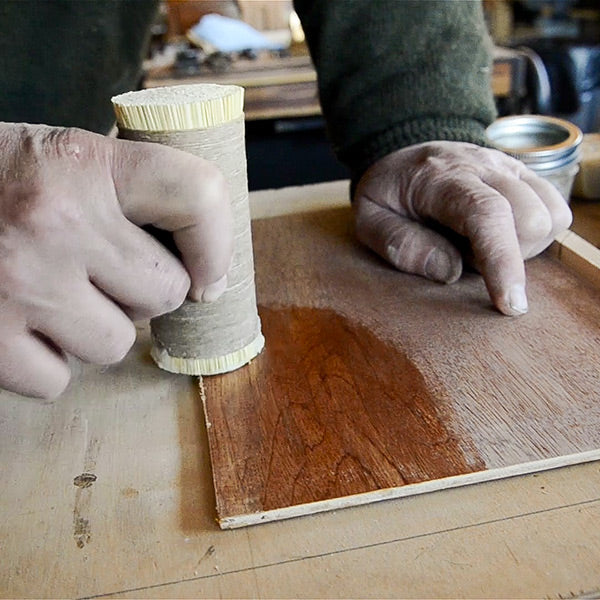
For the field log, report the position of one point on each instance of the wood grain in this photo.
(376, 384)
(150, 530)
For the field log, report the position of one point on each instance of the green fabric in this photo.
(391, 72)
(398, 72)
(62, 60)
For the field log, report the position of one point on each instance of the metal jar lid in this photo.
(541, 142)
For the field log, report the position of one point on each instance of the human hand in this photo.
(75, 267)
(505, 211)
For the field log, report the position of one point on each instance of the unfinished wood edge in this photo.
(578, 254)
(266, 204)
(208, 425)
(207, 366)
(414, 489)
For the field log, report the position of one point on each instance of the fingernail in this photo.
(440, 267)
(518, 300)
(213, 291)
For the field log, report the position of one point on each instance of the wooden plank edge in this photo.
(578, 254)
(236, 522)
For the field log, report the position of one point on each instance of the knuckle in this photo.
(403, 249)
(71, 143)
(64, 141)
(21, 203)
(45, 141)
(38, 204)
(488, 213)
(534, 223)
(208, 187)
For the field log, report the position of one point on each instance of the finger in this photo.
(408, 245)
(483, 215)
(540, 212)
(84, 322)
(557, 206)
(136, 271)
(532, 218)
(184, 194)
(28, 366)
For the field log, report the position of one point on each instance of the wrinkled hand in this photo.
(75, 267)
(406, 200)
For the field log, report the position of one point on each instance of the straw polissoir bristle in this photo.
(207, 366)
(179, 108)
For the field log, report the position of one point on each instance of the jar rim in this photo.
(527, 126)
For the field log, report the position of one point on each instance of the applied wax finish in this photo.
(374, 379)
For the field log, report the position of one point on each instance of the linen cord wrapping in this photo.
(211, 331)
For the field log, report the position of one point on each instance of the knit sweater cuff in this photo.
(406, 133)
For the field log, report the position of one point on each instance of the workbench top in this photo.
(107, 492)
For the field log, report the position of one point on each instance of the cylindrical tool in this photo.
(206, 120)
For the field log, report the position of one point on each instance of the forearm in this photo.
(396, 73)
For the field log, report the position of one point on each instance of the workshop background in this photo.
(547, 61)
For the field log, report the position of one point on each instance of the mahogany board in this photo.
(376, 384)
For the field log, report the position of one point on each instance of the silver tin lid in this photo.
(539, 141)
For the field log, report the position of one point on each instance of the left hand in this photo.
(505, 211)
(76, 268)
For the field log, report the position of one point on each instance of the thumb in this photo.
(183, 194)
(409, 246)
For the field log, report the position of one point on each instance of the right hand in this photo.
(75, 266)
(411, 206)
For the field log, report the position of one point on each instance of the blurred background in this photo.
(547, 61)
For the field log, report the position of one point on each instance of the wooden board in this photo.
(145, 528)
(375, 384)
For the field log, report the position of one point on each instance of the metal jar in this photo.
(547, 145)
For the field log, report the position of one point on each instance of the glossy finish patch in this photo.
(376, 384)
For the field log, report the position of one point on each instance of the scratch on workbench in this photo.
(82, 530)
(210, 551)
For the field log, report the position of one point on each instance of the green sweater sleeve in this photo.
(398, 72)
(62, 60)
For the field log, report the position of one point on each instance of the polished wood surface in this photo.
(373, 379)
(144, 525)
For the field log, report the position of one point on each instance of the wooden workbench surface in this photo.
(107, 493)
